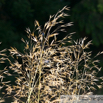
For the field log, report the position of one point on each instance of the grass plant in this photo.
(49, 68)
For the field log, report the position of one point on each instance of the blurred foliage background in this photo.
(17, 15)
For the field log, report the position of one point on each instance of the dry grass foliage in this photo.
(49, 68)
(2, 59)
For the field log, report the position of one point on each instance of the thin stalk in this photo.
(30, 74)
(76, 68)
(30, 83)
(76, 77)
(40, 67)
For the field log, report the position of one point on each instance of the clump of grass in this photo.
(49, 68)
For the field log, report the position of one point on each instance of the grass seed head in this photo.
(49, 68)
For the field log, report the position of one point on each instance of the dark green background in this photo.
(17, 15)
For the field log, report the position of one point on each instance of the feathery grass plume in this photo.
(49, 68)
(2, 84)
